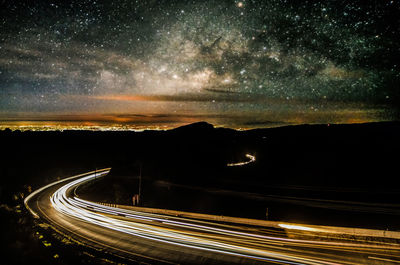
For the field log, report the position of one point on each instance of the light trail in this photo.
(88, 212)
(36, 192)
(297, 227)
(251, 160)
(206, 236)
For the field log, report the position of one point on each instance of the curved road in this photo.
(162, 239)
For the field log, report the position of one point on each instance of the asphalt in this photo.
(162, 239)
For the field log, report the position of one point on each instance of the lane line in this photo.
(383, 259)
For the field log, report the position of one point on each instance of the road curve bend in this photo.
(164, 239)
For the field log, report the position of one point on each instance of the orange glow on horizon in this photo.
(125, 97)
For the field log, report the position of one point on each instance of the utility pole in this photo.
(140, 182)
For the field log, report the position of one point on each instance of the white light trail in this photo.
(95, 214)
(251, 160)
(188, 232)
(297, 227)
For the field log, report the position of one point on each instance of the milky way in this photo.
(233, 63)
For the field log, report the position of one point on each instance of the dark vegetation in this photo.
(336, 175)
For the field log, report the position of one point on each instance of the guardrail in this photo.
(288, 227)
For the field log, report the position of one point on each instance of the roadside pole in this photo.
(140, 183)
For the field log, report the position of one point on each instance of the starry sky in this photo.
(240, 64)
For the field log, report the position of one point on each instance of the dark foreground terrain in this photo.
(321, 174)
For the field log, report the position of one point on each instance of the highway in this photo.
(163, 239)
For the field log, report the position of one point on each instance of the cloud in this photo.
(210, 58)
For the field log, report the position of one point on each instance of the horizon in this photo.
(107, 125)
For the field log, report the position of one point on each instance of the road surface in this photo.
(162, 239)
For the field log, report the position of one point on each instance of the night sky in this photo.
(239, 64)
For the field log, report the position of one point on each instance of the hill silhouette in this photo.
(324, 162)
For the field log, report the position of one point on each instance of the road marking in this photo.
(388, 260)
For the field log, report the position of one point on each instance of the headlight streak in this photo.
(206, 235)
(248, 238)
(251, 160)
(251, 237)
(89, 212)
(30, 196)
(297, 227)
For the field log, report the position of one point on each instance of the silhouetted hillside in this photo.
(310, 162)
(337, 155)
